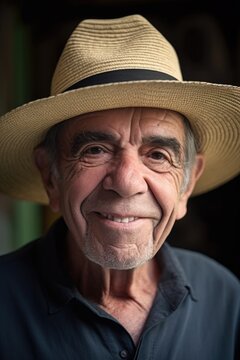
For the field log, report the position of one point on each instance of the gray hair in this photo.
(50, 144)
(191, 149)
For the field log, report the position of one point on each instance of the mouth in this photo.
(118, 218)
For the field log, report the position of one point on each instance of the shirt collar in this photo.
(174, 282)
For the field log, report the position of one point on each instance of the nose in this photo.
(126, 177)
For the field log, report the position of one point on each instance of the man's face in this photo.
(120, 175)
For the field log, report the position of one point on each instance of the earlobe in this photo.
(196, 172)
(49, 180)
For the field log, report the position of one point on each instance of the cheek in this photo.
(166, 192)
(76, 190)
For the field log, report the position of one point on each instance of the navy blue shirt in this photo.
(195, 315)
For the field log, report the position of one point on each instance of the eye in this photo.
(158, 160)
(93, 150)
(157, 155)
(94, 155)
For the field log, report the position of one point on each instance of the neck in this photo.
(100, 284)
(127, 295)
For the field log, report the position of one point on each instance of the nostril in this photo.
(125, 185)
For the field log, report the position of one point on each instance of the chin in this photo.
(110, 261)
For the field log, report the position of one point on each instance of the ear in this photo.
(194, 176)
(49, 179)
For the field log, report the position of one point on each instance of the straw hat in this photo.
(119, 63)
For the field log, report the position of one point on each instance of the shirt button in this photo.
(123, 354)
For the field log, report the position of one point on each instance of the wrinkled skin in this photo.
(119, 191)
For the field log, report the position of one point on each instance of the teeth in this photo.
(120, 219)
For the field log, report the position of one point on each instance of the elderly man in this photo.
(120, 146)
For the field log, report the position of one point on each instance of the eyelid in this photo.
(170, 144)
(88, 137)
(86, 147)
(171, 158)
(156, 148)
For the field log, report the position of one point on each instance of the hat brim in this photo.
(213, 111)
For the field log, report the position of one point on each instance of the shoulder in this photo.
(19, 281)
(13, 264)
(206, 273)
(191, 258)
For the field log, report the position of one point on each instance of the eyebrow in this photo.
(167, 142)
(85, 137)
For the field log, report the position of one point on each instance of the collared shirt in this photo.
(195, 315)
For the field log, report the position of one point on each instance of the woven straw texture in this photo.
(98, 46)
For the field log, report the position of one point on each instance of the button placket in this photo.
(123, 354)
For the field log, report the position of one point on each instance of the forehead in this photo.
(145, 121)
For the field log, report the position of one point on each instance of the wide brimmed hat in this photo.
(117, 63)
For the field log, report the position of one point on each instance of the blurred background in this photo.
(206, 36)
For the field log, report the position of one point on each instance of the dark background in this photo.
(206, 36)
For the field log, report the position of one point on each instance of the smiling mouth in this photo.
(119, 219)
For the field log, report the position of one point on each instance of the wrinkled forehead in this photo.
(120, 120)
